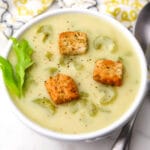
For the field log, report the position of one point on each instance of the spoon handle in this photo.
(122, 142)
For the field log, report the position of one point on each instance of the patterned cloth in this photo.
(14, 13)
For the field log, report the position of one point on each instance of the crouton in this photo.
(72, 43)
(62, 88)
(108, 72)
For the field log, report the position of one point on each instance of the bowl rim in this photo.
(94, 134)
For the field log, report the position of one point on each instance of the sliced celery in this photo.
(108, 94)
(53, 70)
(83, 102)
(48, 55)
(84, 98)
(120, 59)
(46, 30)
(46, 103)
(84, 94)
(78, 66)
(105, 43)
(77, 105)
(64, 60)
(74, 109)
(92, 109)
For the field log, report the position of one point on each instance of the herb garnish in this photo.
(14, 76)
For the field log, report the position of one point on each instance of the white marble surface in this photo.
(14, 135)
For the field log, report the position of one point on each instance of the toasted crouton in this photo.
(108, 72)
(72, 43)
(62, 88)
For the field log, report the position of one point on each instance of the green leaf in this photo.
(46, 103)
(23, 53)
(14, 77)
(9, 76)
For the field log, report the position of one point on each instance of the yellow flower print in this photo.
(31, 7)
(123, 10)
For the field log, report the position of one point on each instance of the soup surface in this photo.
(88, 113)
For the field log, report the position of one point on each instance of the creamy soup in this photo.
(88, 113)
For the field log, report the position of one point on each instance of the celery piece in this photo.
(45, 37)
(64, 60)
(83, 98)
(46, 30)
(49, 55)
(92, 109)
(74, 109)
(76, 105)
(78, 66)
(120, 59)
(23, 53)
(46, 103)
(105, 43)
(108, 94)
(83, 101)
(84, 94)
(53, 70)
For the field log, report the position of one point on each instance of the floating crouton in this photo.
(62, 88)
(72, 43)
(108, 72)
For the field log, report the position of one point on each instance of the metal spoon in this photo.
(142, 33)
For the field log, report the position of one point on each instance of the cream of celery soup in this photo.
(98, 105)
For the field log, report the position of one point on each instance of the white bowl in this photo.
(102, 132)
